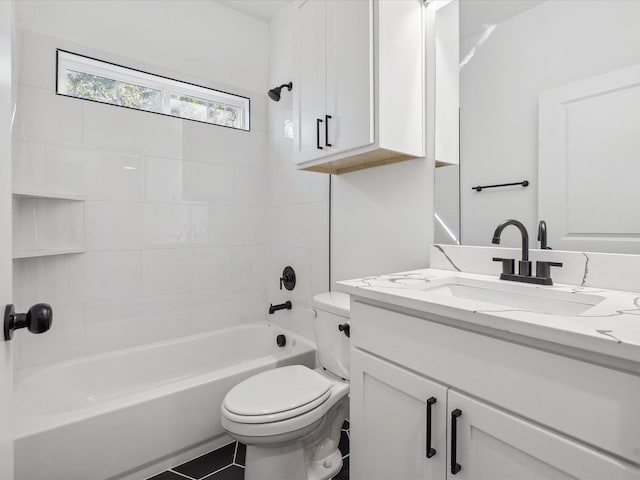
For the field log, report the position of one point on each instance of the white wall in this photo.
(176, 241)
(550, 45)
(298, 201)
(382, 219)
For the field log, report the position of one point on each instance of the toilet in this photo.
(290, 417)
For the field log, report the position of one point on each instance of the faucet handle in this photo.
(508, 264)
(543, 269)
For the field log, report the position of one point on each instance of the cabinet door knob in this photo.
(430, 451)
(37, 320)
(326, 131)
(318, 122)
(455, 466)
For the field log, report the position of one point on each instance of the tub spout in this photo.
(274, 308)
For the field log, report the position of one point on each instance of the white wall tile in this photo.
(212, 144)
(212, 309)
(249, 225)
(117, 129)
(143, 320)
(251, 304)
(37, 60)
(113, 176)
(163, 180)
(203, 182)
(113, 129)
(309, 221)
(39, 167)
(211, 268)
(213, 225)
(288, 186)
(250, 186)
(44, 117)
(112, 275)
(65, 339)
(166, 225)
(166, 272)
(113, 226)
(163, 136)
(259, 112)
(55, 280)
(248, 265)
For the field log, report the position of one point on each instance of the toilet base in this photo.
(313, 455)
(267, 464)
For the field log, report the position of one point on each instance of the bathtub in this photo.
(112, 414)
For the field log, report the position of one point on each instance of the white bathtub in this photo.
(109, 415)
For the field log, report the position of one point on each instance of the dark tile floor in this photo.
(227, 463)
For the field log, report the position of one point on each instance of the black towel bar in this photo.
(479, 188)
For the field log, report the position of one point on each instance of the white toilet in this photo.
(290, 417)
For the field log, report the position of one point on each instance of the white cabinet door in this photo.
(6, 105)
(349, 75)
(389, 413)
(494, 445)
(310, 85)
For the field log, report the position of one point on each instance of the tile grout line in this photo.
(181, 474)
(235, 453)
(217, 471)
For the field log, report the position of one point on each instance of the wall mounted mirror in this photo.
(549, 93)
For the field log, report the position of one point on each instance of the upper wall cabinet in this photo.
(359, 92)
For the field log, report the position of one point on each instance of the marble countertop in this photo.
(611, 327)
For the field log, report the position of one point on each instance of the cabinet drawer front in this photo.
(595, 404)
(389, 413)
(491, 444)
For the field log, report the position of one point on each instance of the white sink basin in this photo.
(512, 296)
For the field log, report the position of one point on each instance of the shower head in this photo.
(274, 93)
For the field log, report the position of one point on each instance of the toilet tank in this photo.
(332, 309)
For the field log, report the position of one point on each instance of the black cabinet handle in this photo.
(326, 130)
(318, 122)
(455, 466)
(430, 451)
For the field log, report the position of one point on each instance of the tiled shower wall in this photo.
(298, 229)
(175, 211)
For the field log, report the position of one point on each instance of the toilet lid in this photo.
(278, 390)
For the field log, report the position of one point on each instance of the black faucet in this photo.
(543, 276)
(524, 265)
(542, 235)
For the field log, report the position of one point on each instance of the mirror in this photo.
(549, 93)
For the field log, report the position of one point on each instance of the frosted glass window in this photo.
(104, 82)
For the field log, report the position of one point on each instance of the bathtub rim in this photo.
(25, 425)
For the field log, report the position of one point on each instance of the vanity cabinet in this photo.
(359, 85)
(509, 410)
(395, 410)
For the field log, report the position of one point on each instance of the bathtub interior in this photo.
(123, 409)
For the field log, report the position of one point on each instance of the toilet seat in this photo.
(276, 395)
(238, 426)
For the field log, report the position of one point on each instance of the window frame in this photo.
(66, 60)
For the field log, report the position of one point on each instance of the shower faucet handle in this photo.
(37, 320)
(288, 278)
